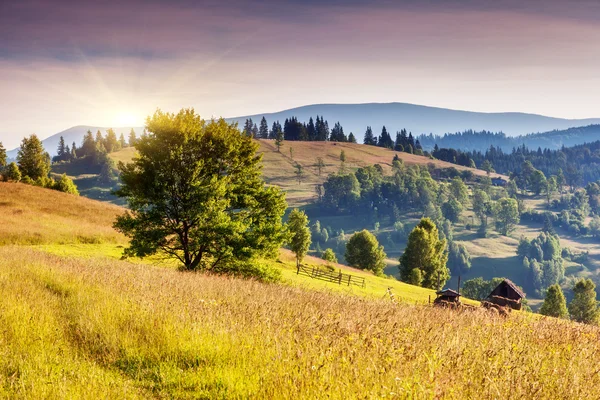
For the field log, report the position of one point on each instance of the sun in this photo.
(125, 118)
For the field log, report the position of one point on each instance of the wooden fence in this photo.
(331, 276)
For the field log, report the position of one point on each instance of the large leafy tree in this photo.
(507, 216)
(427, 252)
(555, 304)
(584, 307)
(300, 237)
(33, 160)
(363, 251)
(195, 193)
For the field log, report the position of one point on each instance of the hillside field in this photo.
(78, 322)
(279, 167)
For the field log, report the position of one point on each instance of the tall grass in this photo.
(110, 329)
(32, 215)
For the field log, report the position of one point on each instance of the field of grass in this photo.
(79, 322)
(98, 328)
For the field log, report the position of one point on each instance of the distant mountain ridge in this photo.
(394, 116)
(419, 119)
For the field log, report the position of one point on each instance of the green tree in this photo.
(12, 173)
(320, 165)
(479, 289)
(88, 146)
(487, 167)
(342, 156)
(351, 138)
(299, 172)
(66, 185)
(538, 181)
(329, 255)
(555, 304)
(560, 180)
(263, 130)
(3, 156)
(61, 150)
(363, 251)
(195, 193)
(459, 259)
(427, 252)
(506, 212)
(482, 207)
(452, 210)
(584, 307)
(107, 174)
(459, 191)
(300, 237)
(111, 143)
(132, 139)
(279, 140)
(122, 142)
(33, 160)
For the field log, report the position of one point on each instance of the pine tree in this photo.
(111, 143)
(99, 138)
(254, 131)
(61, 151)
(248, 125)
(3, 156)
(279, 140)
(12, 173)
(33, 160)
(299, 172)
(426, 252)
(263, 131)
(73, 151)
(369, 137)
(320, 164)
(300, 237)
(122, 142)
(351, 138)
(311, 130)
(555, 304)
(132, 139)
(584, 307)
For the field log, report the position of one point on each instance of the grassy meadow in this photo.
(79, 322)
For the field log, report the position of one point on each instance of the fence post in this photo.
(340, 280)
(349, 276)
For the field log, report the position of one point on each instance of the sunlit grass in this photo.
(101, 328)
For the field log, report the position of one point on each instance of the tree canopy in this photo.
(426, 252)
(363, 251)
(195, 193)
(300, 237)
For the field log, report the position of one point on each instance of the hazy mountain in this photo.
(75, 134)
(419, 119)
(481, 141)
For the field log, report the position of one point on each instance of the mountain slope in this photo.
(419, 119)
(280, 167)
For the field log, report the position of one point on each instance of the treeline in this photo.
(580, 164)
(33, 167)
(318, 130)
(470, 140)
(93, 153)
(315, 130)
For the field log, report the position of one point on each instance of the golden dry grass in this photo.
(89, 329)
(32, 215)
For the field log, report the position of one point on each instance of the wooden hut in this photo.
(507, 294)
(447, 297)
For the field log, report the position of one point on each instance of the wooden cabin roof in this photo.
(448, 292)
(511, 285)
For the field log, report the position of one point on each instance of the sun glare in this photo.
(128, 119)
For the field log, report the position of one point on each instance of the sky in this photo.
(112, 63)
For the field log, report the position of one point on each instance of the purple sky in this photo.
(110, 63)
